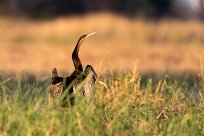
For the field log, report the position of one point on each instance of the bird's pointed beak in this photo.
(90, 34)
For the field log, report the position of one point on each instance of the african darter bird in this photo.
(79, 82)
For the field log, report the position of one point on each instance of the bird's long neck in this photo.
(75, 57)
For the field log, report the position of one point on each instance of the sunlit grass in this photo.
(124, 104)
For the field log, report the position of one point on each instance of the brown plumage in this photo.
(79, 82)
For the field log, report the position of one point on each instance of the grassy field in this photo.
(124, 104)
(150, 81)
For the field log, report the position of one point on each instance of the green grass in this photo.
(124, 104)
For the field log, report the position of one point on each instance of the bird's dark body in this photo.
(71, 84)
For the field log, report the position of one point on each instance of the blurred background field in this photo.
(120, 43)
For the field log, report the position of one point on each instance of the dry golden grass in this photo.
(120, 43)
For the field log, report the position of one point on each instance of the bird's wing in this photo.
(90, 79)
(57, 89)
(54, 73)
(90, 71)
(57, 84)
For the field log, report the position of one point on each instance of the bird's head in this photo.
(85, 36)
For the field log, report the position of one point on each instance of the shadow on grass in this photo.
(189, 82)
